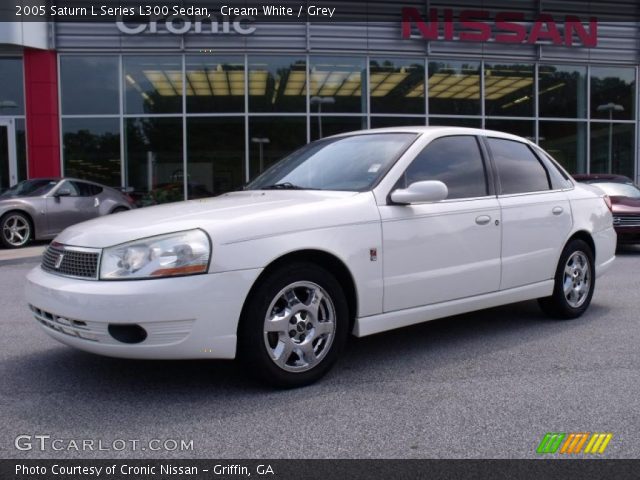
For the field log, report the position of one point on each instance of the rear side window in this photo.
(456, 161)
(559, 178)
(519, 170)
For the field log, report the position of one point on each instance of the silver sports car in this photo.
(41, 208)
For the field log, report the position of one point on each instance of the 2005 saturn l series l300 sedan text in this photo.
(361, 232)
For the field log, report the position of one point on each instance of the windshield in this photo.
(353, 163)
(30, 188)
(618, 189)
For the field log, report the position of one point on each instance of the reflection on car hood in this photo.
(230, 217)
(625, 205)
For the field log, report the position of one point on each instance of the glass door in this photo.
(8, 165)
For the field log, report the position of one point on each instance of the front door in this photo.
(442, 251)
(8, 164)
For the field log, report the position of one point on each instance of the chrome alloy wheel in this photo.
(577, 279)
(16, 230)
(299, 326)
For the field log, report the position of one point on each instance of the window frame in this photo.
(488, 172)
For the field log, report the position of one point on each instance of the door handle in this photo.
(557, 210)
(483, 219)
(96, 202)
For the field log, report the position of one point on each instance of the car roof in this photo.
(602, 177)
(441, 130)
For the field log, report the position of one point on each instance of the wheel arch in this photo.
(585, 237)
(323, 259)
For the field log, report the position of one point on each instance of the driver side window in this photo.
(454, 160)
(67, 185)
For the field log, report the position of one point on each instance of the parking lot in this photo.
(487, 384)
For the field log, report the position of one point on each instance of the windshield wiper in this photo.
(283, 186)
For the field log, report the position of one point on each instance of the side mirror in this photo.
(421, 192)
(62, 192)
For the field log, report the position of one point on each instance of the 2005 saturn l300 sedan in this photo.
(361, 232)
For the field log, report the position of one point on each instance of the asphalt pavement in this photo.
(481, 385)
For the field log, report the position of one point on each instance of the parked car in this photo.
(357, 233)
(42, 207)
(625, 200)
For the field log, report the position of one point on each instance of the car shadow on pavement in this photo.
(388, 356)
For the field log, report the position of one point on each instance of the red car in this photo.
(625, 200)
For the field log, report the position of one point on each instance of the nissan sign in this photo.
(503, 27)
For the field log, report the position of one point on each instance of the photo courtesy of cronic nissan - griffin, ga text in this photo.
(353, 234)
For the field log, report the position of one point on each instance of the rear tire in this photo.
(119, 209)
(16, 230)
(574, 282)
(294, 326)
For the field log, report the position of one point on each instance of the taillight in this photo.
(607, 202)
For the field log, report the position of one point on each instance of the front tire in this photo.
(575, 282)
(15, 230)
(294, 325)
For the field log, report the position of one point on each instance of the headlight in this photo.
(181, 253)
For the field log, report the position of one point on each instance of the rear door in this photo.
(536, 217)
(440, 251)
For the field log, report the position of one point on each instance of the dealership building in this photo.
(176, 107)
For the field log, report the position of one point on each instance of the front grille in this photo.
(626, 220)
(71, 261)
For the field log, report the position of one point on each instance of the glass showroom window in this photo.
(215, 84)
(612, 148)
(566, 142)
(11, 87)
(152, 84)
(154, 162)
(454, 88)
(522, 128)
(455, 122)
(91, 149)
(562, 91)
(613, 93)
(215, 155)
(396, 85)
(508, 90)
(336, 85)
(384, 122)
(326, 126)
(21, 149)
(89, 85)
(271, 139)
(277, 84)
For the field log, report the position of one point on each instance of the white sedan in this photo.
(357, 233)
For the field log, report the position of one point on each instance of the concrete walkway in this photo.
(34, 250)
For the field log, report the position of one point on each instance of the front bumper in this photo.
(185, 318)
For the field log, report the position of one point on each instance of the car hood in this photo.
(230, 217)
(625, 205)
